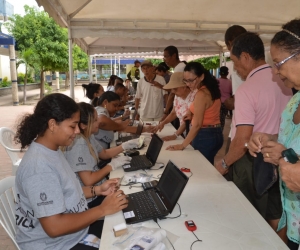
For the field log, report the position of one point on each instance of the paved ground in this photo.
(9, 116)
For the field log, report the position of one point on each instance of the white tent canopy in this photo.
(195, 27)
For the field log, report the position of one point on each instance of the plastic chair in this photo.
(6, 139)
(7, 207)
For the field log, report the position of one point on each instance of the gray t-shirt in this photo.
(46, 186)
(80, 159)
(104, 137)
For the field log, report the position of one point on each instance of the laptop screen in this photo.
(139, 129)
(154, 148)
(171, 184)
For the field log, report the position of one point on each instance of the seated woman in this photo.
(205, 133)
(111, 83)
(93, 90)
(108, 105)
(84, 153)
(183, 99)
(51, 209)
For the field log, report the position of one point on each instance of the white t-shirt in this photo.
(46, 186)
(151, 98)
(180, 67)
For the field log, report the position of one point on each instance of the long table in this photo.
(224, 217)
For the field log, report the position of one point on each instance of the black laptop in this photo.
(159, 201)
(139, 131)
(149, 159)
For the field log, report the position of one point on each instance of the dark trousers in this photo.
(95, 229)
(223, 113)
(208, 141)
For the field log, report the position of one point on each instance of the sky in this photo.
(18, 5)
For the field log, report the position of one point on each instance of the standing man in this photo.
(225, 86)
(150, 94)
(171, 58)
(259, 102)
(134, 74)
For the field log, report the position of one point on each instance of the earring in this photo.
(104, 106)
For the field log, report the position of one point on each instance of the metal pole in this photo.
(221, 58)
(57, 80)
(111, 65)
(95, 60)
(13, 75)
(72, 93)
(115, 66)
(90, 68)
(119, 66)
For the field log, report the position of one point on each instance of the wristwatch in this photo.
(224, 165)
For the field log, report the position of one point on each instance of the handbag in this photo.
(264, 174)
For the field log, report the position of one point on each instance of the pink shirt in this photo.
(182, 105)
(260, 100)
(225, 87)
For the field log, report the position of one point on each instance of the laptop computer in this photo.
(157, 202)
(149, 159)
(139, 131)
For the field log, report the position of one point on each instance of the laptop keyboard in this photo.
(145, 205)
(137, 162)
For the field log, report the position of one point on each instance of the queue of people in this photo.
(63, 175)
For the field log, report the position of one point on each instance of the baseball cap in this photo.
(176, 81)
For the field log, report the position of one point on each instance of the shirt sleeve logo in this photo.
(80, 159)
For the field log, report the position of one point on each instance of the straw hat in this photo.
(176, 81)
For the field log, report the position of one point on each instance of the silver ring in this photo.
(246, 144)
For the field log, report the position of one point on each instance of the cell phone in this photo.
(149, 185)
(190, 225)
(289, 155)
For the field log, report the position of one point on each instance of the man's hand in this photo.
(218, 166)
(290, 174)
(272, 152)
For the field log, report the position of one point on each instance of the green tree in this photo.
(38, 32)
(80, 59)
(29, 59)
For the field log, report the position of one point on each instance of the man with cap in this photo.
(150, 96)
(134, 74)
(182, 101)
(225, 86)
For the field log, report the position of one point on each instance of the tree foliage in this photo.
(80, 59)
(48, 41)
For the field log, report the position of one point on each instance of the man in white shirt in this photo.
(150, 94)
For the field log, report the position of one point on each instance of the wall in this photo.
(29, 86)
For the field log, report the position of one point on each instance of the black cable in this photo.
(177, 215)
(191, 174)
(155, 219)
(198, 240)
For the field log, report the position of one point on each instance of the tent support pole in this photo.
(71, 73)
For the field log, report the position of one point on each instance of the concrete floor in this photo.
(9, 118)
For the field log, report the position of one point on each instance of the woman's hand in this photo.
(169, 138)
(272, 152)
(126, 113)
(108, 187)
(290, 174)
(148, 129)
(188, 115)
(257, 141)
(159, 128)
(175, 147)
(113, 203)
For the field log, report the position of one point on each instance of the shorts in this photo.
(269, 204)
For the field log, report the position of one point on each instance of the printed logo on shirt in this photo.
(43, 197)
(80, 161)
(23, 220)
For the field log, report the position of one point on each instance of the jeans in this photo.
(208, 141)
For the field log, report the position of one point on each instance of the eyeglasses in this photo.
(187, 81)
(278, 65)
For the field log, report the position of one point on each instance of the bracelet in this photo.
(93, 191)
